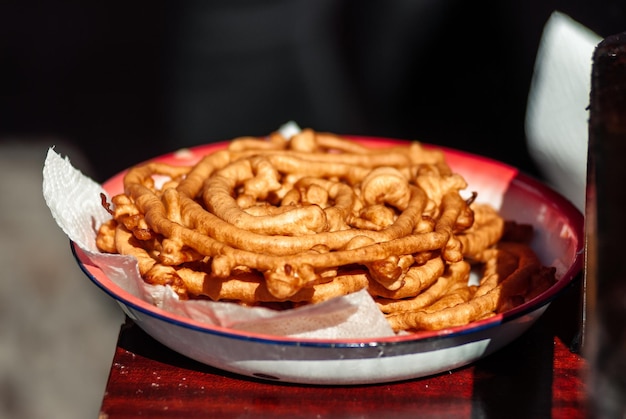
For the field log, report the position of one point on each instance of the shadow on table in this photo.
(503, 381)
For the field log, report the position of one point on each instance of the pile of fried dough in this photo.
(282, 222)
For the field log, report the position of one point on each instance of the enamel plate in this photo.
(558, 242)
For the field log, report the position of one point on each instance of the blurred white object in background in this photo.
(57, 330)
(556, 114)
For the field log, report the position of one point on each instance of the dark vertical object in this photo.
(605, 340)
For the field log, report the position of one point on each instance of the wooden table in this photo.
(540, 375)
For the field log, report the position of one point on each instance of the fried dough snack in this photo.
(316, 216)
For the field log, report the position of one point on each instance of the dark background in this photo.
(126, 81)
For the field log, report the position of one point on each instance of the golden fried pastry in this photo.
(317, 216)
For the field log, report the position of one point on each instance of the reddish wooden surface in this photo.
(535, 376)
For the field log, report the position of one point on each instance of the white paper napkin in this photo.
(556, 114)
(74, 201)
